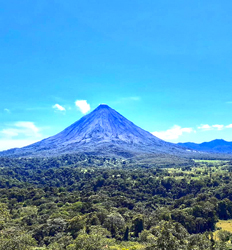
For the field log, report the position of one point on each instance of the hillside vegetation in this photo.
(90, 203)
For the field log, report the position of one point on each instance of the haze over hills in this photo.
(102, 132)
(215, 146)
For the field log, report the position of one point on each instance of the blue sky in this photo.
(165, 65)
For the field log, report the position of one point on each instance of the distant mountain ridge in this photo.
(214, 146)
(102, 132)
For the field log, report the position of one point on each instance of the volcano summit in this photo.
(102, 132)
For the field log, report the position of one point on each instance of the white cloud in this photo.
(205, 127)
(58, 107)
(28, 128)
(229, 126)
(83, 106)
(21, 128)
(19, 134)
(9, 132)
(218, 127)
(173, 133)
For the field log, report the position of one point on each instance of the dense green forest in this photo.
(92, 203)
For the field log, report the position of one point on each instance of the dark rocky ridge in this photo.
(102, 132)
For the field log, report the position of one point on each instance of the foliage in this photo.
(88, 202)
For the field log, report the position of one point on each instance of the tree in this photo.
(169, 235)
(13, 238)
(95, 240)
(75, 225)
(115, 223)
(137, 225)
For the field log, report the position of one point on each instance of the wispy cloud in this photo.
(83, 106)
(218, 127)
(206, 127)
(58, 107)
(173, 133)
(128, 99)
(19, 134)
(21, 128)
(133, 98)
(7, 110)
(37, 108)
(177, 131)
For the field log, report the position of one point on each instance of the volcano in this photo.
(102, 132)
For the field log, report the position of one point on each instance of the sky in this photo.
(165, 65)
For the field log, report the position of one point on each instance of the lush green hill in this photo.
(90, 203)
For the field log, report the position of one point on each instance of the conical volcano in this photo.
(105, 132)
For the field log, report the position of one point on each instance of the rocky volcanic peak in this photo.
(103, 131)
(104, 124)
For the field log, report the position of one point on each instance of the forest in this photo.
(87, 202)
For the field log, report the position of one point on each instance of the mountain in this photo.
(102, 132)
(215, 146)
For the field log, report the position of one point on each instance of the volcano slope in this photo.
(102, 132)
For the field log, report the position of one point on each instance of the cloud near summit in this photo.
(83, 106)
